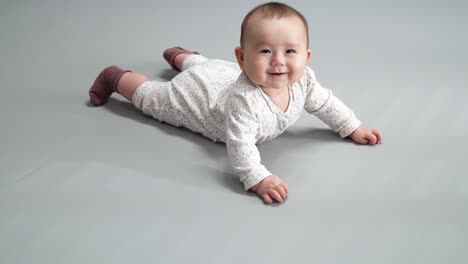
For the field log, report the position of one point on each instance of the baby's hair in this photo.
(273, 10)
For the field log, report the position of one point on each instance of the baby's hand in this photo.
(271, 188)
(364, 135)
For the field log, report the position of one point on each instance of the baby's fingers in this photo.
(281, 191)
(371, 139)
(285, 186)
(267, 198)
(273, 193)
(378, 135)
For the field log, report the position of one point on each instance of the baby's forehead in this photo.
(255, 19)
(258, 23)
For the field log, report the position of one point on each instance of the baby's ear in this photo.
(240, 57)
(309, 54)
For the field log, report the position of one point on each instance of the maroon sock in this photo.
(105, 84)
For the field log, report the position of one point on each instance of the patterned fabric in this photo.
(216, 99)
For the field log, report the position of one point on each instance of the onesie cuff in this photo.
(352, 124)
(255, 177)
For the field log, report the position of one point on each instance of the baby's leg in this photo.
(189, 60)
(129, 82)
(114, 79)
(176, 56)
(179, 60)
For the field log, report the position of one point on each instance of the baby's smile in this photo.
(277, 73)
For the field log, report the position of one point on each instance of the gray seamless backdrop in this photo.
(80, 184)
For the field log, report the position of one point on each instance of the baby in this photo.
(242, 104)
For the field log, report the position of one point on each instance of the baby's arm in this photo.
(241, 132)
(328, 108)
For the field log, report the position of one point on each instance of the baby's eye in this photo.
(265, 51)
(290, 51)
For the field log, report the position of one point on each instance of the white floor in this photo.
(80, 184)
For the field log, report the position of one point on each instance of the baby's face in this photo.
(275, 51)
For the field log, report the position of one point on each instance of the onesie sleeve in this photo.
(323, 104)
(241, 132)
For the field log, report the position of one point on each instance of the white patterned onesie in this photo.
(215, 98)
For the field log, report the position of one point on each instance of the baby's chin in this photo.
(276, 87)
(273, 83)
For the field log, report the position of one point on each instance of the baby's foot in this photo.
(170, 54)
(105, 84)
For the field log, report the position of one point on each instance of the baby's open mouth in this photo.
(277, 73)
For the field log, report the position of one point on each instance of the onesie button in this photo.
(282, 125)
(282, 122)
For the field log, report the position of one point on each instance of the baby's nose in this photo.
(277, 59)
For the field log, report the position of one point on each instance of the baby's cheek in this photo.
(296, 76)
